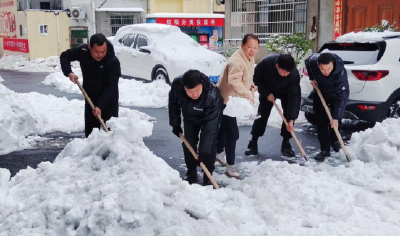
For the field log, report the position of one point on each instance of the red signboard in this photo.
(337, 18)
(17, 45)
(191, 21)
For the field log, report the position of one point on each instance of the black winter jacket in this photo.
(268, 80)
(205, 111)
(100, 78)
(335, 85)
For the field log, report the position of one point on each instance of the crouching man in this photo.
(200, 103)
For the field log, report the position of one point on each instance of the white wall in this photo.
(325, 28)
(87, 6)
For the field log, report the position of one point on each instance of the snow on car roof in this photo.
(149, 28)
(366, 36)
(184, 15)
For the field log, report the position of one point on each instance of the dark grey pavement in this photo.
(162, 142)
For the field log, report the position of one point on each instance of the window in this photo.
(120, 19)
(267, 17)
(128, 40)
(43, 29)
(142, 41)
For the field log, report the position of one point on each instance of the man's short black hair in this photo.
(191, 79)
(286, 62)
(98, 39)
(326, 58)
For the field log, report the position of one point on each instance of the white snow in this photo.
(1, 79)
(25, 115)
(132, 92)
(366, 36)
(133, 192)
(18, 62)
(237, 107)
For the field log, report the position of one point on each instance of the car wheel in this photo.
(161, 75)
(394, 110)
(310, 118)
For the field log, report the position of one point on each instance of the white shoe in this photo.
(221, 158)
(231, 172)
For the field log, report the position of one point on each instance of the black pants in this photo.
(326, 134)
(191, 134)
(228, 134)
(92, 122)
(264, 110)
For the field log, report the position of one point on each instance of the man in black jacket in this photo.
(101, 71)
(201, 103)
(328, 73)
(277, 78)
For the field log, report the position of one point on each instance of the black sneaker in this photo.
(252, 149)
(322, 155)
(336, 146)
(191, 176)
(286, 149)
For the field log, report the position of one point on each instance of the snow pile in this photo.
(237, 106)
(140, 94)
(1, 79)
(19, 62)
(366, 36)
(24, 114)
(63, 83)
(133, 192)
(131, 92)
(378, 144)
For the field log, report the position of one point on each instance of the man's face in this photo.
(98, 52)
(282, 72)
(195, 92)
(326, 69)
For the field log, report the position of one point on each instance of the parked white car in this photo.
(372, 61)
(162, 52)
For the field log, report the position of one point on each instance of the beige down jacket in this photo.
(236, 78)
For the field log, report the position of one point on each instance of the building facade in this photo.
(185, 6)
(32, 33)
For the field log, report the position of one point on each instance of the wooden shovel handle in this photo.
(201, 163)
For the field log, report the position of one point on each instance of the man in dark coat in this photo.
(200, 103)
(328, 73)
(101, 71)
(276, 77)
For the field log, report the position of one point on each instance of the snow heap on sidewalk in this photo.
(131, 92)
(379, 144)
(19, 62)
(133, 192)
(23, 116)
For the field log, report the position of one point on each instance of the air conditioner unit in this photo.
(78, 13)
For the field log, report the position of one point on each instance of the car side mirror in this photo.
(144, 50)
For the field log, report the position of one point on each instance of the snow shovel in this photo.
(303, 153)
(91, 105)
(201, 163)
(334, 128)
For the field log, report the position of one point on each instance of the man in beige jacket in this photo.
(235, 80)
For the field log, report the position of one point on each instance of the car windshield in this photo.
(355, 53)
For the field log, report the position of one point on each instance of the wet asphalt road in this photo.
(162, 142)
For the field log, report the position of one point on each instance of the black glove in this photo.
(202, 157)
(177, 130)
